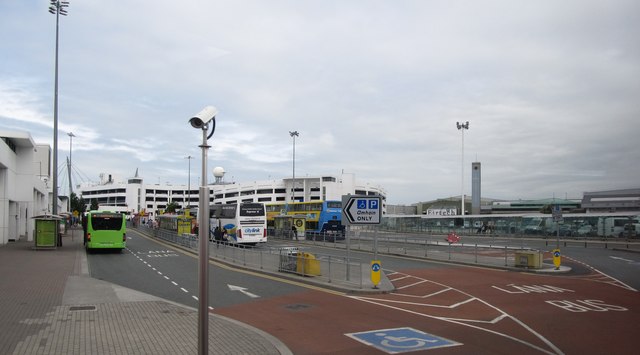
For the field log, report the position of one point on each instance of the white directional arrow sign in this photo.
(242, 290)
(362, 209)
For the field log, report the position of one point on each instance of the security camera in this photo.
(202, 118)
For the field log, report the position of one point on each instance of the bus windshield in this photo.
(110, 222)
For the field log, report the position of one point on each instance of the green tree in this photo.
(172, 207)
(94, 204)
(78, 204)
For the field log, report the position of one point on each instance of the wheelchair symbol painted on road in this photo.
(401, 340)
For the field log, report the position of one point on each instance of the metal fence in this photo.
(490, 252)
(497, 250)
(480, 249)
(292, 260)
(575, 226)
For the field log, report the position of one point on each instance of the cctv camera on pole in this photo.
(201, 121)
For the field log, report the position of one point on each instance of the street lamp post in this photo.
(293, 135)
(462, 127)
(201, 121)
(57, 8)
(71, 135)
(189, 183)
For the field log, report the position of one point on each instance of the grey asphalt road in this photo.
(160, 270)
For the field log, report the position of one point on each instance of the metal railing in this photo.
(291, 260)
(485, 250)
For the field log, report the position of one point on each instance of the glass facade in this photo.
(615, 225)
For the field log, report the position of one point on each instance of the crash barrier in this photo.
(288, 259)
(293, 260)
(528, 258)
(308, 265)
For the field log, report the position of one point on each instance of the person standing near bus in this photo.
(84, 229)
(217, 234)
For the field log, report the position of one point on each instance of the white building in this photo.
(134, 195)
(24, 173)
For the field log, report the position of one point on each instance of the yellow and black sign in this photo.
(556, 258)
(376, 268)
(184, 225)
(299, 223)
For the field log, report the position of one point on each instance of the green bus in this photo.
(106, 230)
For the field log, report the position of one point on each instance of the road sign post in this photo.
(359, 210)
(556, 212)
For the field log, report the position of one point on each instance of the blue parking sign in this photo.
(361, 209)
(401, 340)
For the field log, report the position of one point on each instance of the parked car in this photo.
(586, 230)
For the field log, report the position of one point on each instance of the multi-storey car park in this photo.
(134, 195)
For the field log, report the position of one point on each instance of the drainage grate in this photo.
(82, 308)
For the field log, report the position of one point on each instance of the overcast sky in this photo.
(551, 90)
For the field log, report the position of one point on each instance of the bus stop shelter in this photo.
(46, 234)
(285, 224)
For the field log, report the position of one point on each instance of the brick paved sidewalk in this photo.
(44, 303)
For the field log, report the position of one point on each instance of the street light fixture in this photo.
(57, 8)
(462, 127)
(293, 135)
(201, 121)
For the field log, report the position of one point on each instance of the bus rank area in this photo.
(434, 305)
(252, 223)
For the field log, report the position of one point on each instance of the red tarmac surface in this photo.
(488, 311)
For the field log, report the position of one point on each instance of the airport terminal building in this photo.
(24, 187)
(134, 196)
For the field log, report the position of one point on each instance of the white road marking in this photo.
(464, 322)
(243, 290)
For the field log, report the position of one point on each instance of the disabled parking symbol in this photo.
(401, 340)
